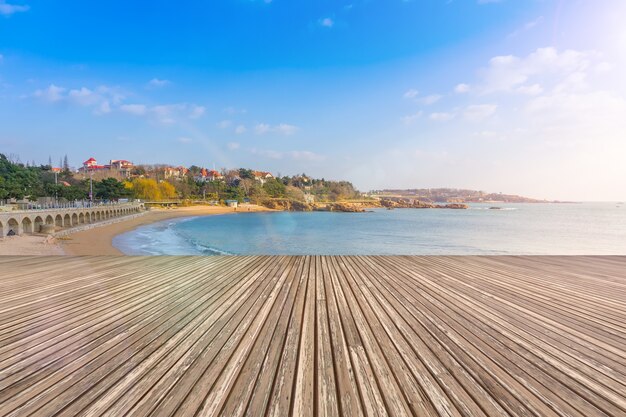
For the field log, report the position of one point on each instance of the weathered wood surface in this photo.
(309, 336)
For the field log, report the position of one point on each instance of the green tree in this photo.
(274, 188)
(110, 189)
(19, 181)
(246, 173)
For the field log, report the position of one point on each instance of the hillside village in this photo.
(122, 179)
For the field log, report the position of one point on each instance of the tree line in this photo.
(19, 181)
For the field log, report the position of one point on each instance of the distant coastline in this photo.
(455, 195)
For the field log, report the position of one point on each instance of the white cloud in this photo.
(262, 128)
(84, 97)
(99, 99)
(166, 113)
(462, 88)
(507, 73)
(286, 129)
(240, 129)
(327, 22)
(441, 116)
(602, 67)
(184, 140)
(103, 108)
(197, 112)
(431, 99)
(233, 110)
(51, 94)
(531, 90)
(155, 82)
(134, 109)
(283, 128)
(479, 112)
(233, 146)
(411, 94)
(224, 124)
(592, 113)
(407, 120)
(526, 27)
(7, 9)
(104, 100)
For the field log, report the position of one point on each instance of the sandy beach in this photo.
(29, 245)
(98, 241)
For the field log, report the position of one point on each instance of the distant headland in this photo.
(453, 195)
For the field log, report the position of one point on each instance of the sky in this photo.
(513, 96)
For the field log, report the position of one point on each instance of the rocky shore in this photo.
(421, 205)
(357, 207)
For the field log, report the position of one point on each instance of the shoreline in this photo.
(98, 240)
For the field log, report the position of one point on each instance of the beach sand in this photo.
(29, 245)
(99, 240)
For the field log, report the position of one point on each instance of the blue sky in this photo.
(520, 96)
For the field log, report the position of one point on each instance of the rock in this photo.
(420, 204)
(287, 205)
(455, 206)
(345, 207)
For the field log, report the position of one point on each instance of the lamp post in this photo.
(56, 183)
(91, 188)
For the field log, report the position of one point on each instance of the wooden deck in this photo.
(309, 336)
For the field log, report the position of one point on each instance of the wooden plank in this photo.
(313, 335)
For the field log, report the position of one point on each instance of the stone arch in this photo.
(37, 224)
(12, 224)
(74, 219)
(49, 220)
(81, 218)
(27, 225)
(98, 216)
(67, 221)
(1, 230)
(87, 217)
(58, 220)
(93, 216)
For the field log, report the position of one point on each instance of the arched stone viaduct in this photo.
(32, 221)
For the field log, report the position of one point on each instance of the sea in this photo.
(513, 229)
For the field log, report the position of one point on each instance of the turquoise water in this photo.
(548, 229)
